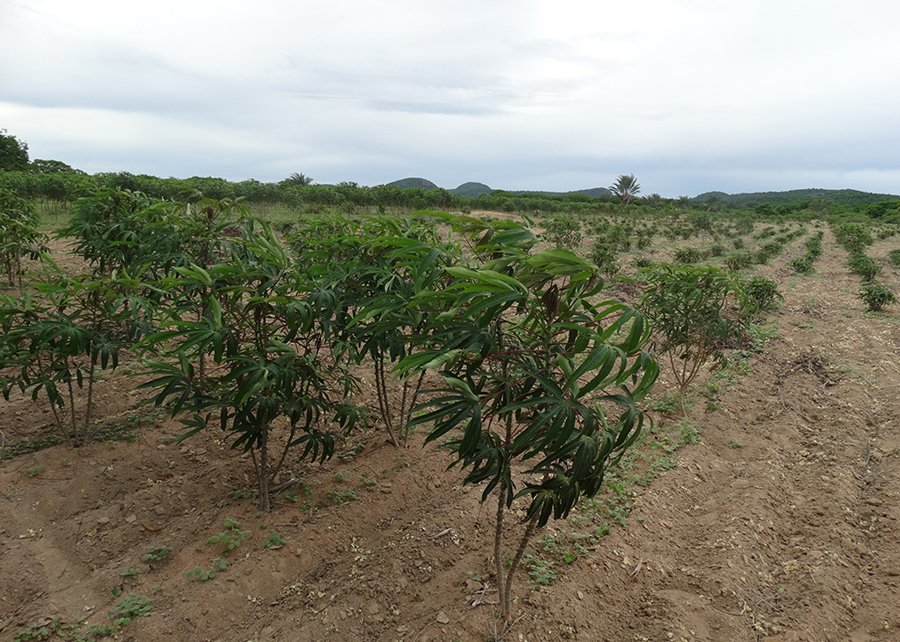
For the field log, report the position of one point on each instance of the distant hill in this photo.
(472, 189)
(593, 192)
(840, 196)
(405, 183)
(476, 189)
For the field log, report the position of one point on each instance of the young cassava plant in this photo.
(536, 378)
(696, 313)
(263, 336)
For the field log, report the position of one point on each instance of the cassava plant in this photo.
(263, 335)
(536, 376)
(60, 338)
(876, 296)
(18, 234)
(373, 267)
(696, 313)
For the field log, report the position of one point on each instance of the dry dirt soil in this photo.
(779, 523)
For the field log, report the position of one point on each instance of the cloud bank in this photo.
(690, 96)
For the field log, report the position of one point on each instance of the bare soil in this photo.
(781, 524)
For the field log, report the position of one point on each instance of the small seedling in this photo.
(274, 541)
(734, 443)
(32, 632)
(539, 571)
(129, 572)
(66, 462)
(242, 493)
(399, 464)
(216, 565)
(342, 497)
(34, 472)
(156, 554)
(230, 538)
(130, 607)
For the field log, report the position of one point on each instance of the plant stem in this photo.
(523, 543)
(71, 405)
(90, 399)
(498, 563)
(265, 504)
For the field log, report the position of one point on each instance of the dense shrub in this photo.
(876, 296)
(763, 292)
(688, 255)
(863, 266)
(803, 264)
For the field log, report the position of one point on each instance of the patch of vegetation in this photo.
(802, 265)
(216, 565)
(156, 554)
(342, 497)
(894, 257)
(30, 446)
(863, 266)
(876, 296)
(274, 541)
(764, 293)
(230, 538)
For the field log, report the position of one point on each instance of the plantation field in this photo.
(769, 512)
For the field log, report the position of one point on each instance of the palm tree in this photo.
(714, 203)
(298, 179)
(626, 188)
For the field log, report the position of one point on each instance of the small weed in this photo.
(66, 462)
(216, 565)
(340, 476)
(274, 541)
(129, 608)
(399, 464)
(32, 632)
(230, 538)
(540, 572)
(34, 472)
(29, 446)
(156, 554)
(669, 403)
(366, 480)
(290, 495)
(734, 443)
(129, 572)
(342, 497)
(350, 453)
(690, 433)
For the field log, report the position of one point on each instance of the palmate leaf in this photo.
(484, 280)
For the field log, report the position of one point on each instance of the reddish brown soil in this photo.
(780, 525)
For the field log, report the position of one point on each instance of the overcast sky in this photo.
(689, 95)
